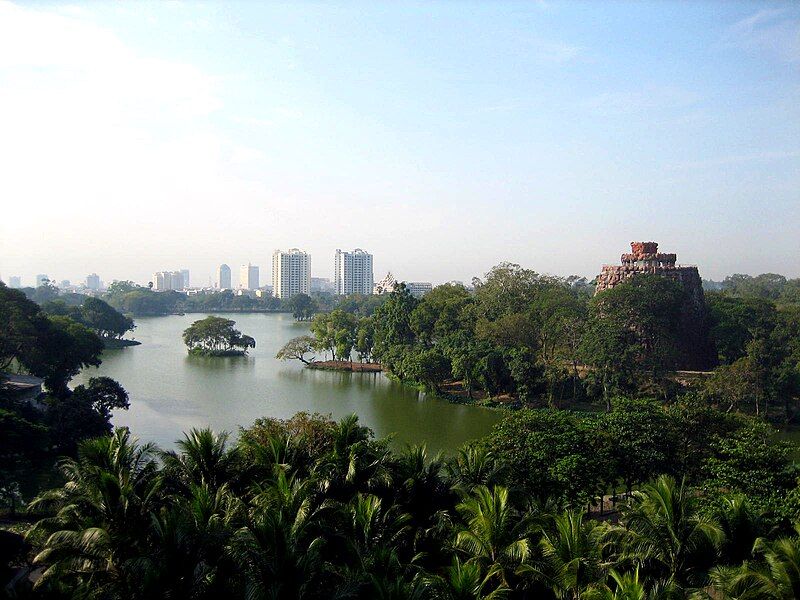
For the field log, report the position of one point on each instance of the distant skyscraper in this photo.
(162, 281)
(40, 279)
(353, 272)
(93, 281)
(15, 281)
(248, 277)
(177, 281)
(167, 280)
(291, 273)
(185, 276)
(65, 284)
(224, 277)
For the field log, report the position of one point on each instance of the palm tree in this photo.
(204, 459)
(628, 586)
(472, 466)
(665, 533)
(494, 534)
(775, 576)
(741, 525)
(573, 554)
(465, 581)
(278, 550)
(188, 542)
(101, 515)
(354, 464)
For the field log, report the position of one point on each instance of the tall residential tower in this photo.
(353, 272)
(248, 277)
(224, 277)
(291, 273)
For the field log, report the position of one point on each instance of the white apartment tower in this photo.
(291, 273)
(353, 272)
(93, 282)
(248, 277)
(224, 277)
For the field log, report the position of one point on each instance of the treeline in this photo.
(769, 286)
(524, 338)
(309, 508)
(56, 348)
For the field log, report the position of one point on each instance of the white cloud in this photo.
(775, 32)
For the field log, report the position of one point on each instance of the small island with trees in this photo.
(216, 336)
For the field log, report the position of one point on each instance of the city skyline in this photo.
(446, 138)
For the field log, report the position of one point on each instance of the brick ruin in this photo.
(697, 351)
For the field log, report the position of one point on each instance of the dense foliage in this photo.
(55, 348)
(216, 336)
(311, 508)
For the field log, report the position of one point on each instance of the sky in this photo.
(443, 137)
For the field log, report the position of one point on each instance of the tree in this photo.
(302, 306)
(297, 348)
(640, 439)
(572, 548)
(96, 536)
(86, 413)
(494, 534)
(105, 320)
(365, 339)
(551, 454)
(62, 348)
(216, 336)
(666, 535)
(393, 320)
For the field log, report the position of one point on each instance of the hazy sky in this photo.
(443, 137)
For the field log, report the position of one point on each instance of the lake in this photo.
(171, 392)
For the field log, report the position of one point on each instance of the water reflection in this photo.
(171, 391)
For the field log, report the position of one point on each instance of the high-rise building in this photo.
(167, 280)
(41, 279)
(93, 281)
(291, 273)
(162, 281)
(185, 277)
(248, 277)
(224, 277)
(15, 281)
(353, 272)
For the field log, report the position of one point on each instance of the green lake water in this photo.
(171, 392)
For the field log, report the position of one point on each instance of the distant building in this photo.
(353, 272)
(64, 284)
(185, 277)
(265, 291)
(41, 280)
(321, 285)
(224, 277)
(15, 281)
(248, 277)
(291, 273)
(93, 282)
(385, 285)
(419, 288)
(167, 280)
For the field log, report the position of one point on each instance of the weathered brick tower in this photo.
(698, 353)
